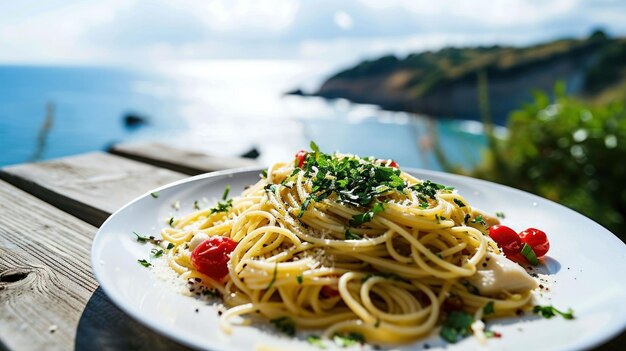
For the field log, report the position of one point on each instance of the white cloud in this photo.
(343, 20)
(132, 31)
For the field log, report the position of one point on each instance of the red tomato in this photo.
(300, 157)
(389, 163)
(537, 240)
(506, 238)
(211, 256)
(329, 291)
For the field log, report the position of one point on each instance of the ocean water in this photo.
(220, 107)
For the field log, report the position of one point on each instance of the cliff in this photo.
(444, 83)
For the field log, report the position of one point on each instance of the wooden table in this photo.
(49, 213)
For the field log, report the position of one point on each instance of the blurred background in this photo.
(525, 93)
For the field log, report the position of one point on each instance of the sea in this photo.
(221, 107)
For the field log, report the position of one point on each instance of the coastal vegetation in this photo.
(566, 150)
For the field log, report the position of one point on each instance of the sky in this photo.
(130, 32)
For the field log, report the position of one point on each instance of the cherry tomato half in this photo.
(300, 157)
(211, 256)
(507, 239)
(537, 240)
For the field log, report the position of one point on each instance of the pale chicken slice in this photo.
(499, 274)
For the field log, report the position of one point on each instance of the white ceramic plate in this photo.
(587, 267)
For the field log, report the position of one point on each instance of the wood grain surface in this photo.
(184, 161)
(89, 186)
(49, 299)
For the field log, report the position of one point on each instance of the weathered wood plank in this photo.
(48, 296)
(184, 161)
(89, 186)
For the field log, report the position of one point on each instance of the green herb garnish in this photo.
(459, 202)
(304, 206)
(226, 191)
(156, 252)
(170, 246)
(154, 195)
(315, 341)
(354, 181)
(284, 325)
(359, 219)
(144, 263)
(273, 276)
(530, 255)
(195, 205)
(141, 239)
(264, 173)
(479, 219)
(349, 339)
(500, 215)
(352, 236)
(489, 308)
(549, 312)
(222, 206)
(456, 326)
(299, 279)
(171, 222)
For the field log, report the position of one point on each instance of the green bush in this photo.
(567, 151)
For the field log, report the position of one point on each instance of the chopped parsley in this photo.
(171, 222)
(348, 339)
(467, 218)
(170, 246)
(500, 215)
(359, 219)
(479, 219)
(530, 255)
(144, 263)
(304, 206)
(154, 195)
(226, 191)
(456, 326)
(195, 205)
(354, 181)
(299, 279)
(264, 173)
(222, 206)
(489, 308)
(315, 341)
(549, 312)
(147, 239)
(273, 276)
(141, 239)
(156, 252)
(459, 202)
(424, 205)
(284, 325)
(352, 236)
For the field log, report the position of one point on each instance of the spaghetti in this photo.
(347, 245)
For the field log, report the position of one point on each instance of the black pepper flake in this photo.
(519, 312)
(487, 259)
(484, 264)
(197, 310)
(540, 286)
(198, 280)
(219, 313)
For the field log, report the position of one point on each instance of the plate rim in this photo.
(601, 337)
